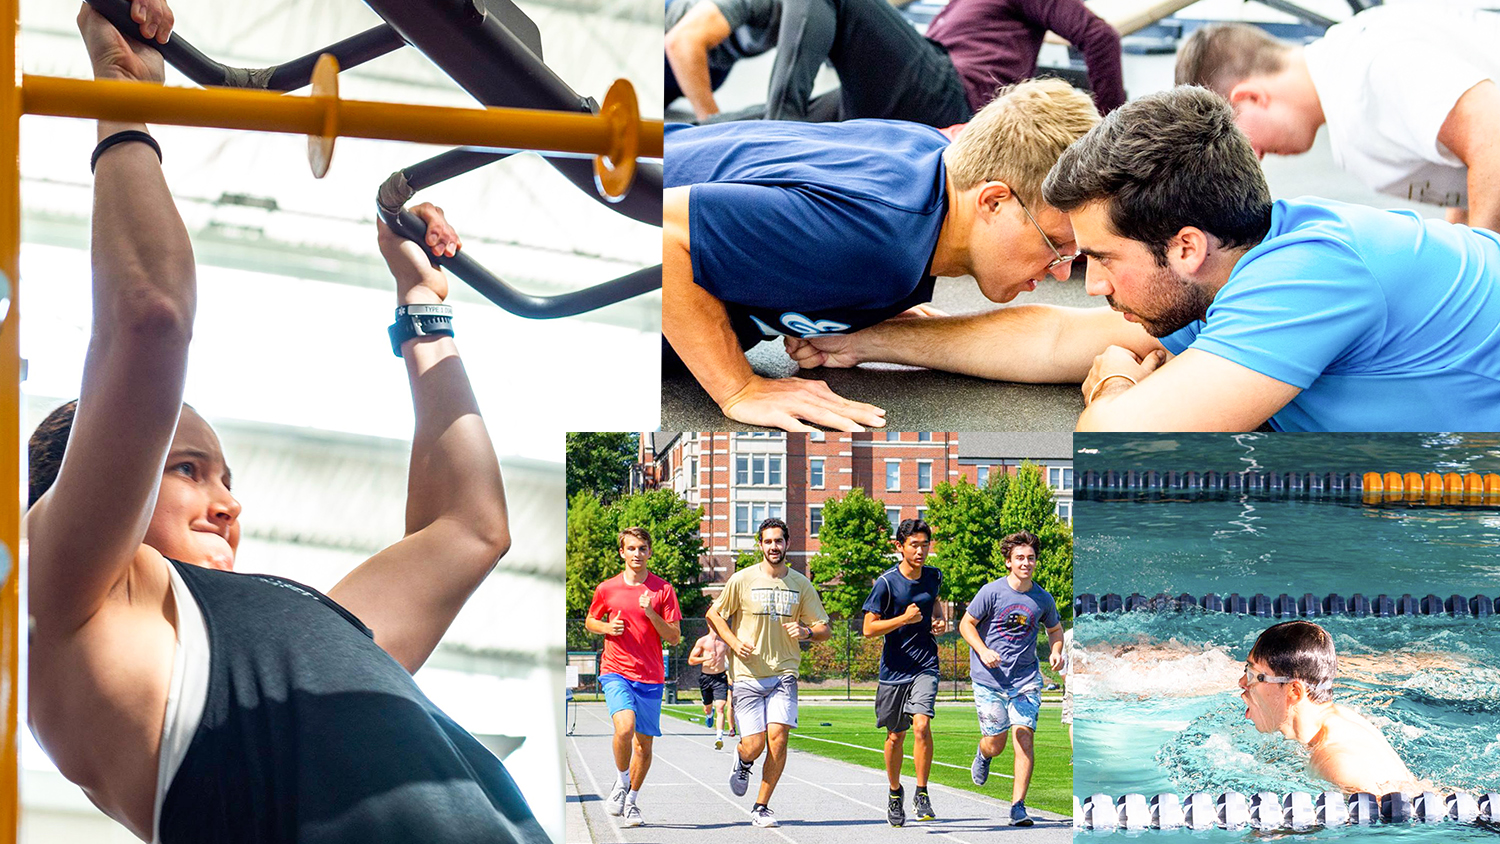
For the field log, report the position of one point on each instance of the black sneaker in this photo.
(895, 811)
(922, 804)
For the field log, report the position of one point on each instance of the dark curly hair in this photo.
(44, 451)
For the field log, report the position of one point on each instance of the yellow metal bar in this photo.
(10, 416)
(265, 111)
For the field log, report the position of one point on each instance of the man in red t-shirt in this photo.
(635, 611)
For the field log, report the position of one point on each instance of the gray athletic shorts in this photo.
(761, 702)
(895, 703)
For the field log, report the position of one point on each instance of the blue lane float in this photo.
(1286, 606)
(1469, 489)
(1267, 811)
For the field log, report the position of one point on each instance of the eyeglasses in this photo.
(1252, 677)
(1061, 258)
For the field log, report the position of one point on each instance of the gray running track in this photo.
(687, 799)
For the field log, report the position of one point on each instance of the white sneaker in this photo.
(763, 818)
(632, 816)
(615, 805)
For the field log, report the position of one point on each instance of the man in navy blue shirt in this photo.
(904, 607)
(788, 229)
(1306, 313)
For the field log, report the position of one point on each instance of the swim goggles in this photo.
(1252, 677)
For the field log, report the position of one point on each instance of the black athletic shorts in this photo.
(895, 703)
(714, 685)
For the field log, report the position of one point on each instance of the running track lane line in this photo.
(881, 751)
(956, 791)
(714, 791)
(609, 819)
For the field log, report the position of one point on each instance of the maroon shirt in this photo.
(995, 42)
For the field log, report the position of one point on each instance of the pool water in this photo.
(1251, 545)
(1156, 694)
(1158, 708)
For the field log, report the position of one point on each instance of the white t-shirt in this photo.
(1388, 78)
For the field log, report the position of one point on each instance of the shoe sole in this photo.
(718, 745)
(1027, 822)
(636, 822)
(926, 817)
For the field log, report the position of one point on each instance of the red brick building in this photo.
(740, 479)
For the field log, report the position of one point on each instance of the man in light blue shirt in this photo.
(1000, 626)
(1303, 314)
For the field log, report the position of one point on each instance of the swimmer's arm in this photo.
(687, 44)
(697, 326)
(84, 533)
(456, 522)
(1195, 391)
(1472, 132)
(1036, 344)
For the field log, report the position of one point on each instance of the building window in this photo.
(893, 515)
(816, 436)
(815, 473)
(921, 514)
(814, 520)
(892, 436)
(693, 474)
(1060, 478)
(1065, 511)
(893, 476)
(757, 470)
(749, 515)
(924, 436)
(984, 476)
(924, 475)
(750, 435)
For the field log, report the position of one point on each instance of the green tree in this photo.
(675, 546)
(855, 548)
(592, 554)
(748, 557)
(1029, 506)
(965, 522)
(599, 462)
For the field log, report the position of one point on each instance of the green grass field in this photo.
(955, 732)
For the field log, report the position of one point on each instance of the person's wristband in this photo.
(413, 321)
(125, 137)
(1100, 385)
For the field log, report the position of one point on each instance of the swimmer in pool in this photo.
(1287, 688)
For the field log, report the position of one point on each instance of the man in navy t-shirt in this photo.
(1306, 314)
(788, 229)
(1000, 626)
(904, 607)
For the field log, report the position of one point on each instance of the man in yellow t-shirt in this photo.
(763, 613)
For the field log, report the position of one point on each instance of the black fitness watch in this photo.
(414, 321)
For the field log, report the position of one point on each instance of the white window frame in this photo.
(921, 487)
(822, 472)
(888, 486)
(893, 515)
(814, 520)
(982, 475)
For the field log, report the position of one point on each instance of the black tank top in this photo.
(313, 734)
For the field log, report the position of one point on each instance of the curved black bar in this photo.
(493, 51)
(522, 304)
(297, 73)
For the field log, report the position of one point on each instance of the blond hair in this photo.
(1221, 56)
(1019, 136)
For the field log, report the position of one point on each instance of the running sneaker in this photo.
(632, 816)
(718, 744)
(739, 776)
(922, 806)
(615, 805)
(761, 816)
(895, 810)
(979, 769)
(708, 720)
(1018, 816)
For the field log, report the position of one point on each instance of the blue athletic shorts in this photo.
(644, 699)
